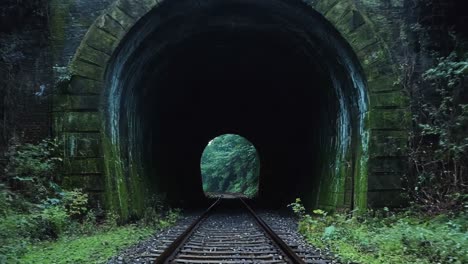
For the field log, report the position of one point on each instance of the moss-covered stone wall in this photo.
(371, 28)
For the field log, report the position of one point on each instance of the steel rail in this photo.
(274, 237)
(174, 248)
(170, 253)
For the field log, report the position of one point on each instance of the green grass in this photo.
(49, 236)
(394, 239)
(385, 237)
(95, 248)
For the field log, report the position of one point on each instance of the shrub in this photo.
(386, 237)
(439, 143)
(51, 222)
(111, 220)
(33, 169)
(4, 201)
(75, 203)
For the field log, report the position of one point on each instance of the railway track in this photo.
(231, 232)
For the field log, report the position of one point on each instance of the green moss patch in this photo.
(88, 249)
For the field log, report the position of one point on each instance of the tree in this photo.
(230, 164)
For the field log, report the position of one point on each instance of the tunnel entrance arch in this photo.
(353, 93)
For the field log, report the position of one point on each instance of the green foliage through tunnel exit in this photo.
(230, 164)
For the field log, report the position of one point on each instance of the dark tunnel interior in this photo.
(191, 72)
(249, 83)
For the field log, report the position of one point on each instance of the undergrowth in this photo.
(40, 222)
(386, 237)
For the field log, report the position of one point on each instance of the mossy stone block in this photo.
(396, 119)
(96, 199)
(79, 145)
(389, 143)
(345, 25)
(90, 182)
(397, 165)
(101, 40)
(379, 83)
(75, 102)
(57, 122)
(384, 181)
(92, 55)
(83, 166)
(393, 99)
(338, 11)
(136, 8)
(385, 198)
(59, 102)
(113, 27)
(323, 6)
(82, 86)
(124, 19)
(362, 37)
(81, 122)
(375, 57)
(87, 70)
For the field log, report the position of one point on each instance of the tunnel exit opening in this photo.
(274, 71)
(230, 167)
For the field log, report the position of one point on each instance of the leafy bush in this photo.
(439, 145)
(111, 221)
(36, 212)
(4, 201)
(32, 169)
(18, 231)
(52, 222)
(75, 203)
(157, 219)
(386, 237)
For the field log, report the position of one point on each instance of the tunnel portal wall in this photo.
(77, 117)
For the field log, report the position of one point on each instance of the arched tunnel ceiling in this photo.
(254, 68)
(276, 72)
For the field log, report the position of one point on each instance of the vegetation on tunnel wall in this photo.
(230, 164)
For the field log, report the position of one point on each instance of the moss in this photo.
(101, 40)
(126, 187)
(116, 189)
(57, 122)
(86, 69)
(389, 143)
(139, 186)
(338, 10)
(362, 167)
(325, 5)
(85, 182)
(81, 121)
(97, 57)
(84, 166)
(63, 102)
(389, 99)
(121, 17)
(81, 85)
(398, 119)
(332, 189)
(58, 21)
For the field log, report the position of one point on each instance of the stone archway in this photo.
(373, 180)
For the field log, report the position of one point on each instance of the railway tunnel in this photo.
(309, 84)
(275, 72)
